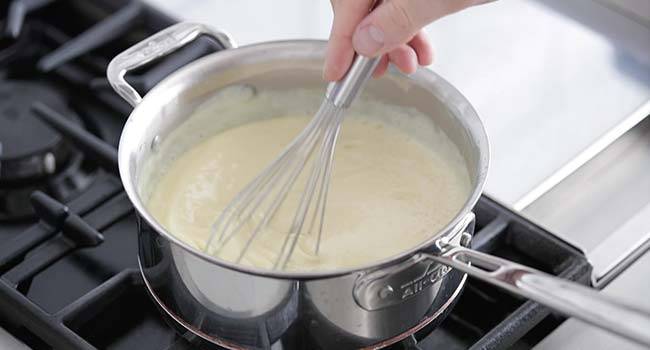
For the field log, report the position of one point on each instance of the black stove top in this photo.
(68, 253)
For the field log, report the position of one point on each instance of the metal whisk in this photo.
(265, 194)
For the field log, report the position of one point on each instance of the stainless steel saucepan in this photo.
(370, 306)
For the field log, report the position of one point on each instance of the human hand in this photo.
(393, 29)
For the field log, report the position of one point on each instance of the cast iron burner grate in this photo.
(69, 278)
(63, 295)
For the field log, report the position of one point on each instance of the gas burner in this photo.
(30, 148)
(33, 156)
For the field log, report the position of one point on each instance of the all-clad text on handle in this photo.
(418, 276)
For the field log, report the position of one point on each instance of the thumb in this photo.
(395, 22)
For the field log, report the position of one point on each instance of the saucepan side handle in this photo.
(564, 296)
(156, 46)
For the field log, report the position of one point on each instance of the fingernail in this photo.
(368, 40)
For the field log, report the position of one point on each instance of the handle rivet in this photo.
(385, 292)
(465, 239)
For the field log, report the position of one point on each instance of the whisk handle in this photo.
(344, 91)
(341, 93)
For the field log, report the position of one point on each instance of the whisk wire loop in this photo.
(264, 196)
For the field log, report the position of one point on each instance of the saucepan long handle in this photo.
(156, 46)
(561, 295)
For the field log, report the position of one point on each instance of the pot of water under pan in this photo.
(350, 295)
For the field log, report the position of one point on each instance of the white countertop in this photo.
(8, 342)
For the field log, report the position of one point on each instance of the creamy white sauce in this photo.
(396, 180)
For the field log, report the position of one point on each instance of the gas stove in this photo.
(69, 274)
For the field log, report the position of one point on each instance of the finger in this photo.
(423, 49)
(396, 22)
(382, 66)
(404, 58)
(338, 58)
(347, 14)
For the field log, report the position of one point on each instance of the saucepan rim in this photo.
(422, 77)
